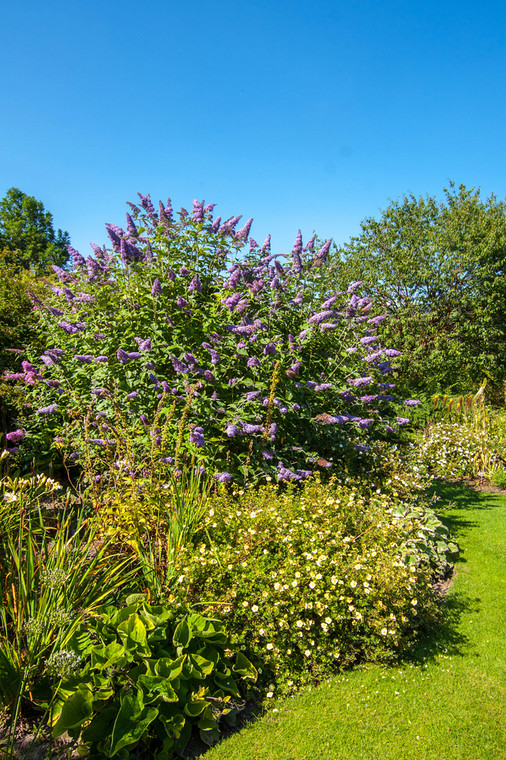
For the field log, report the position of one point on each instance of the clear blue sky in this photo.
(300, 114)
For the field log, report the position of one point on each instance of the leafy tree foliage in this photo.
(27, 228)
(437, 269)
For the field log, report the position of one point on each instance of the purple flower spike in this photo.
(130, 226)
(215, 357)
(198, 210)
(181, 302)
(101, 392)
(83, 358)
(321, 255)
(122, 356)
(297, 246)
(77, 259)
(47, 409)
(144, 345)
(243, 233)
(270, 348)
(156, 288)
(253, 361)
(328, 304)
(249, 429)
(359, 382)
(411, 402)
(251, 395)
(195, 284)
(354, 286)
(266, 246)
(403, 421)
(179, 366)
(15, 436)
(369, 339)
(223, 477)
(365, 423)
(197, 436)
(133, 395)
(392, 352)
(60, 273)
(209, 376)
(377, 320)
(143, 419)
(124, 252)
(171, 275)
(184, 271)
(232, 430)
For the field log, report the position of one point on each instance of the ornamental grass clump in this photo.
(266, 383)
(310, 581)
(53, 574)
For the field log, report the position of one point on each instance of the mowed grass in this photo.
(448, 701)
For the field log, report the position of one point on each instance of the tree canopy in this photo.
(27, 229)
(437, 269)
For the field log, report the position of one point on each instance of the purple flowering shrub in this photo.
(182, 324)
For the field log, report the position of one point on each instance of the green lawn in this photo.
(448, 701)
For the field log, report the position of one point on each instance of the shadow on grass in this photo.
(446, 635)
(453, 500)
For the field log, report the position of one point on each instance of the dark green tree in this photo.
(27, 228)
(437, 269)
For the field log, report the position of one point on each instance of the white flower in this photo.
(353, 584)
(270, 646)
(254, 608)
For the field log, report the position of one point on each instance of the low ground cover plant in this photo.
(310, 581)
(144, 677)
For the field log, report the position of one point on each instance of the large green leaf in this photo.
(244, 667)
(134, 634)
(131, 722)
(182, 635)
(74, 712)
(157, 687)
(227, 683)
(168, 668)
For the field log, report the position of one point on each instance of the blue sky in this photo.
(300, 114)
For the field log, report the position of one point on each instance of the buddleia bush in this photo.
(218, 353)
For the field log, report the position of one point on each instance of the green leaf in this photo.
(131, 722)
(135, 632)
(227, 683)
(244, 667)
(206, 667)
(196, 707)
(74, 712)
(182, 635)
(100, 726)
(158, 685)
(169, 669)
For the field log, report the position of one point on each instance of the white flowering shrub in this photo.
(458, 450)
(309, 581)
